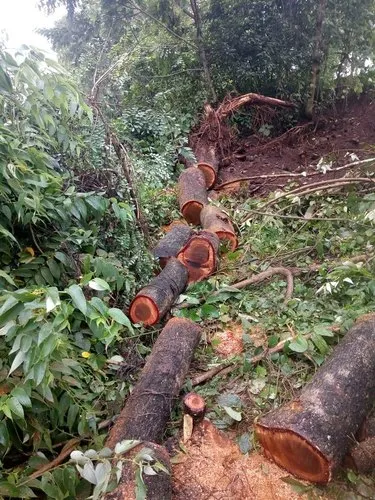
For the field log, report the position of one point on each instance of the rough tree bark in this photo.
(215, 220)
(171, 244)
(311, 435)
(192, 194)
(207, 163)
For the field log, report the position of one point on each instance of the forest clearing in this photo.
(187, 278)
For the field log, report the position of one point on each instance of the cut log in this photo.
(310, 436)
(158, 486)
(215, 220)
(155, 300)
(200, 255)
(171, 244)
(208, 163)
(195, 406)
(192, 194)
(147, 409)
(361, 457)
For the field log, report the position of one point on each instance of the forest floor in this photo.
(223, 460)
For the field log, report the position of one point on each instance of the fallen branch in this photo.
(258, 278)
(230, 105)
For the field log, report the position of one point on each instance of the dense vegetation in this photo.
(88, 158)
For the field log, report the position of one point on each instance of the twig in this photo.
(301, 217)
(258, 278)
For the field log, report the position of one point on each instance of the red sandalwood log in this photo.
(310, 436)
(207, 163)
(215, 220)
(155, 300)
(200, 255)
(172, 242)
(192, 194)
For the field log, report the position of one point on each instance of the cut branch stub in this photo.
(195, 406)
(147, 409)
(155, 300)
(192, 194)
(172, 242)
(215, 220)
(310, 436)
(208, 163)
(200, 255)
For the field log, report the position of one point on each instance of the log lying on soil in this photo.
(171, 244)
(147, 409)
(310, 436)
(361, 456)
(195, 406)
(208, 163)
(158, 486)
(200, 255)
(155, 300)
(215, 220)
(192, 194)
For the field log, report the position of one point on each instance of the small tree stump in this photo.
(195, 406)
(154, 300)
(215, 220)
(200, 255)
(208, 163)
(171, 244)
(192, 194)
(310, 436)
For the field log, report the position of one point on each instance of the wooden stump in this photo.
(192, 194)
(147, 409)
(155, 300)
(171, 244)
(208, 163)
(195, 406)
(200, 255)
(215, 220)
(310, 436)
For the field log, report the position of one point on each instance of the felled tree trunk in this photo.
(170, 245)
(361, 456)
(208, 163)
(215, 220)
(155, 300)
(147, 409)
(192, 194)
(200, 255)
(310, 435)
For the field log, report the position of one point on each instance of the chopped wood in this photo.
(154, 300)
(310, 436)
(194, 405)
(215, 220)
(171, 244)
(192, 194)
(148, 408)
(200, 255)
(207, 163)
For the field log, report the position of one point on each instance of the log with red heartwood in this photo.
(171, 244)
(195, 406)
(192, 194)
(155, 300)
(215, 220)
(207, 163)
(200, 255)
(148, 408)
(310, 436)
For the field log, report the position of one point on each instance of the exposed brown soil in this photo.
(349, 128)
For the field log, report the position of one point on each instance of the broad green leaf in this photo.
(18, 360)
(5, 81)
(99, 284)
(6, 328)
(78, 298)
(299, 344)
(20, 394)
(7, 278)
(52, 298)
(126, 445)
(120, 317)
(15, 406)
(236, 415)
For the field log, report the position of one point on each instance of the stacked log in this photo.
(192, 194)
(152, 303)
(200, 255)
(215, 220)
(172, 243)
(310, 436)
(208, 163)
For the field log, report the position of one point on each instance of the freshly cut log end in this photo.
(200, 255)
(155, 300)
(195, 406)
(295, 454)
(215, 220)
(170, 245)
(208, 163)
(192, 194)
(311, 435)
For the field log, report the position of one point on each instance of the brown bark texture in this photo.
(310, 435)
(155, 300)
(215, 220)
(200, 255)
(195, 406)
(207, 163)
(192, 194)
(362, 456)
(147, 409)
(158, 486)
(171, 244)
